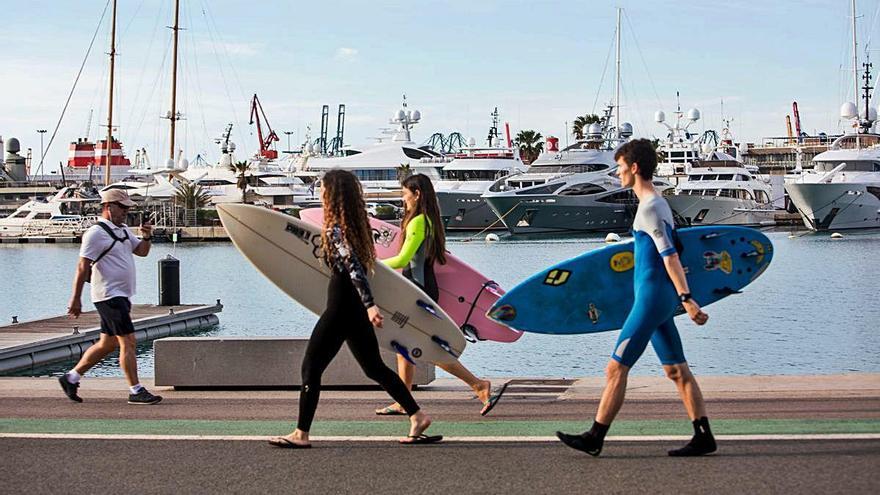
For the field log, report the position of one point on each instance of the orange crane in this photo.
(271, 137)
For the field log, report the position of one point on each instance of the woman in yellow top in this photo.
(424, 243)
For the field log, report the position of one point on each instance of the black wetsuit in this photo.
(346, 320)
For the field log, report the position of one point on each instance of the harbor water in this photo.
(814, 311)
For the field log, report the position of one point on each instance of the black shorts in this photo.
(115, 316)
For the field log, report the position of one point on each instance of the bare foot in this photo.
(298, 438)
(418, 423)
(483, 389)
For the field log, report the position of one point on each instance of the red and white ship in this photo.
(87, 158)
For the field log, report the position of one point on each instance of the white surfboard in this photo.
(287, 251)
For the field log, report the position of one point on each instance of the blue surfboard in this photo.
(593, 292)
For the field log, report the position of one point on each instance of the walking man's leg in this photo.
(667, 344)
(703, 442)
(93, 355)
(138, 394)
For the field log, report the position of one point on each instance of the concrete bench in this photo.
(256, 362)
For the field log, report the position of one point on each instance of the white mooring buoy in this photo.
(492, 237)
(837, 235)
(612, 237)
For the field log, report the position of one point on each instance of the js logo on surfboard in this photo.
(557, 277)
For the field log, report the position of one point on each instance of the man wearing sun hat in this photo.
(107, 262)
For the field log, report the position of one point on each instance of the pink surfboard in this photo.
(465, 294)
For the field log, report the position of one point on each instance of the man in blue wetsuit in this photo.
(660, 287)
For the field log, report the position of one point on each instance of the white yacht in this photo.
(572, 190)
(381, 165)
(66, 214)
(720, 190)
(843, 189)
(681, 147)
(468, 175)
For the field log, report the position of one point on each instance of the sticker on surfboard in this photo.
(557, 277)
(622, 262)
(718, 261)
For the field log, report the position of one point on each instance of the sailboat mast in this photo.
(173, 115)
(617, 97)
(108, 147)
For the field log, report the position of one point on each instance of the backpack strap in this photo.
(115, 240)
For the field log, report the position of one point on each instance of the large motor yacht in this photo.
(66, 214)
(381, 165)
(469, 174)
(843, 189)
(572, 190)
(720, 190)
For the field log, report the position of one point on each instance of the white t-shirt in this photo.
(114, 274)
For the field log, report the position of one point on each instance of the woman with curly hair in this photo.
(350, 314)
(424, 244)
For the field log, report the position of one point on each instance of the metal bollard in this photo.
(169, 281)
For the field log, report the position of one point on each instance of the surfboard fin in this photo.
(470, 333)
(429, 308)
(402, 351)
(444, 345)
(712, 235)
(726, 291)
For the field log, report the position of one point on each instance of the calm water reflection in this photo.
(815, 310)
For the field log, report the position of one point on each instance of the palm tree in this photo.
(403, 171)
(240, 169)
(530, 145)
(583, 121)
(192, 195)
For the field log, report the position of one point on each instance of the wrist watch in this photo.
(685, 297)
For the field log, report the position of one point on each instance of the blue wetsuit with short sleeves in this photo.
(651, 318)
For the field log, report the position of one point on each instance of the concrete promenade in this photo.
(808, 434)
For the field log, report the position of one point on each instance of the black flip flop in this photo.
(493, 400)
(283, 443)
(422, 439)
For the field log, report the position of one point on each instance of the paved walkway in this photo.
(776, 434)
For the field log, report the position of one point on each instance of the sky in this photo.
(542, 63)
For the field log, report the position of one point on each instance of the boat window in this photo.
(43, 216)
(548, 189)
(742, 178)
(376, 174)
(625, 196)
(727, 193)
(761, 197)
(876, 167)
(582, 190)
(743, 194)
(21, 214)
(725, 177)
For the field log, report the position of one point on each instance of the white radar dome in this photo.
(400, 115)
(848, 110)
(659, 117)
(169, 164)
(472, 142)
(626, 129)
(183, 164)
(416, 115)
(693, 115)
(594, 129)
